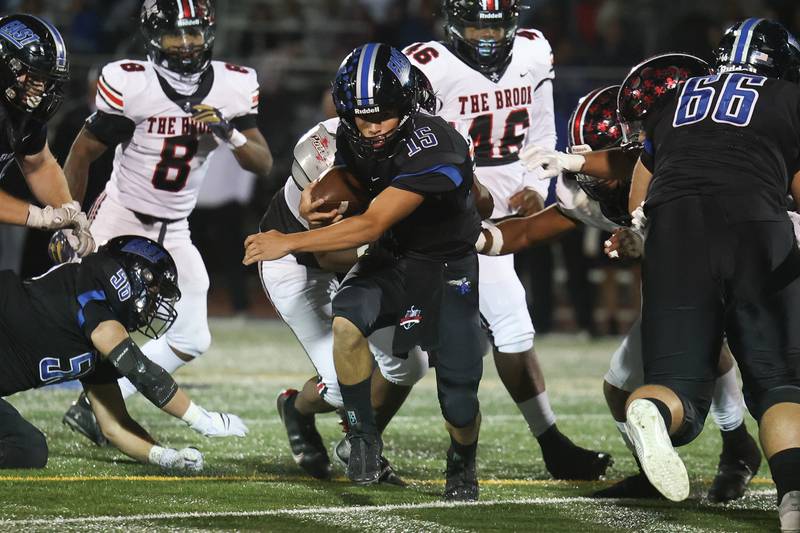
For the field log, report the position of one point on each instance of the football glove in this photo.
(213, 424)
(552, 162)
(51, 218)
(185, 459)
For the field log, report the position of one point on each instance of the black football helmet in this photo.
(648, 86)
(594, 123)
(191, 22)
(760, 46)
(33, 65)
(153, 278)
(376, 79)
(484, 55)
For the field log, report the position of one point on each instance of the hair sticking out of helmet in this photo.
(649, 85)
(153, 279)
(760, 46)
(376, 82)
(481, 32)
(34, 65)
(179, 34)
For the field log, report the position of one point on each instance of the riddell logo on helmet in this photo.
(182, 23)
(368, 110)
(490, 15)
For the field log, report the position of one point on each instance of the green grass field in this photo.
(253, 484)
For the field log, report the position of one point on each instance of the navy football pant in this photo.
(22, 445)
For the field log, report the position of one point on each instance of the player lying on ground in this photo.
(494, 81)
(72, 323)
(301, 287)
(33, 68)
(422, 275)
(604, 204)
(165, 116)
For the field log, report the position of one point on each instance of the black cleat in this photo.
(565, 460)
(305, 441)
(634, 487)
(734, 472)
(364, 465)
(341, 452)
(80, 417)
(461, 483)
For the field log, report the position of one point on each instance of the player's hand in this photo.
(552, 162)
(185, 459)
(526, 202)
(82, 242)
(309, 209)
(68, 245)
(266, 246)
(52, 218)
(213, 424)
(213, 118)
(624, 243)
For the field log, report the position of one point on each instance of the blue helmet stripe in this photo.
(364, 75)
(61, 48)
(742, 45)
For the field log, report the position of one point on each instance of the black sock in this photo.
(785, 467)
(552, 438)
(467, 451)
(735, 440)
(663, 410)
(358, 406)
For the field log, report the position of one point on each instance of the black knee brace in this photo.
(694, 418)
(761, 402)
(459, 402)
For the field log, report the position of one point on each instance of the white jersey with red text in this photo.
(500, 114)
(158, 172)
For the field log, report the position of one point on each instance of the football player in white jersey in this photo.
(165, 116)
(495, 83)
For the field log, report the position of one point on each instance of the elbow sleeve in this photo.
(151, 380)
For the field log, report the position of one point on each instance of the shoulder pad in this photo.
(120, 81)
(242, 82)
(536, 47)
(313, 154)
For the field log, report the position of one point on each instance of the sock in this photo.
(733, 439)
(159, 352)
(663, 411)
(623, 431)
(358, 406)
(538, 414)
(785, 468)
(727, 406)
(466, 451)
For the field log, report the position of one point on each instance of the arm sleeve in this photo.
(433, 180)
(245, 122)
(34, 142)
(110, 129)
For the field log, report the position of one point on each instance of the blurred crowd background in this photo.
(296, 46)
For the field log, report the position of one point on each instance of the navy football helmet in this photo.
(377, 80)
(760, 46)
(153, 278)
(486, 55)
(190, 21)
(594, 123)
(33, 66)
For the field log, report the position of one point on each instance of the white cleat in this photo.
(789, 512)
(661, 463)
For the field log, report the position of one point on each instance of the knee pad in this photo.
(192, 341)
(357, 306)
(694, 418)
(459, 403)
(503, 307)
(758, 404)
(404, 372)
(37, 447)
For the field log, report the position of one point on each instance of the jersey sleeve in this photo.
(433, 180)
(243, 84)
(103, 292)
(35, 141)
(119, 85)
(110, 128)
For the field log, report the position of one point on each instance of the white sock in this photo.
(538, 413)
(727, 406)
(160, 353)
(623, 431)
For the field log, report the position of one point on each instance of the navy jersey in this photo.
(734, 136)
(46, 323)
(434, 161)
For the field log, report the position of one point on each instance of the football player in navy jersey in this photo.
(73, 323)
(421, 276)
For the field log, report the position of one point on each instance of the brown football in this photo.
(340, 190)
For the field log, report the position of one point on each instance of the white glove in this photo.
(551, 162)
(212, 424)
(186, 459)
(639, 220)
(52, 218)
(794, 216)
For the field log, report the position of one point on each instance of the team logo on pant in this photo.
(463, 285)
(412, 318)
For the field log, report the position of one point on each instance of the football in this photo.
(340, 190)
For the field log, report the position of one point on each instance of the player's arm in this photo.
(483, 198)
(114, 344)
(795, 188)
(45, 177)
(388, 208)
(640, 183)
(85, 150)
(255, 155)
(515, 234)
(611, 164)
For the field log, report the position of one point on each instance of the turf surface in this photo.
(253, 484)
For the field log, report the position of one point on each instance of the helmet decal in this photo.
(61, 48)
(364, 75)
(741, 46)
(18, 34)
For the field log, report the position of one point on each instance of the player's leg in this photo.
(682, 325)
(22, 445)
(459, 367)
(503, 307)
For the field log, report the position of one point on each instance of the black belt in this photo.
(149, 220)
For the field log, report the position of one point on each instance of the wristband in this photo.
(192, 414)
(497, 238)
(236, 140)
